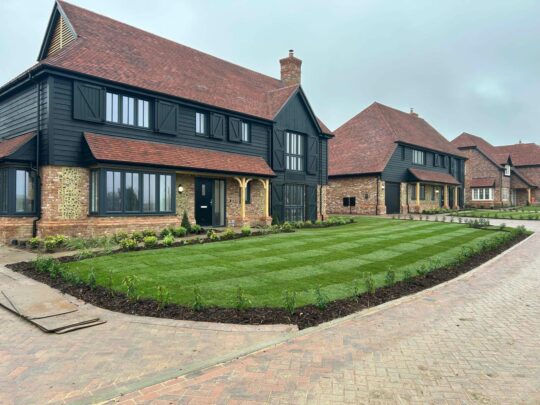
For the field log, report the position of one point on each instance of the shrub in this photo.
(198, 303)
(137, 236)
(298, 224)
(185, 222)
(165, 232)
(390, 277)
(34, 242)
(149, 232)
(163, 297)
(242, 301)
(520, 230)
(130, 283)
(84, 254)
(369, 282)
(286, 227)
(50, 243)
(120, 236)
(128, 244)
(289, 299)
(319, 222)
(246, 230)
(228, 234)
(150, 241)
(308, 224)
(321, 300)
(180, 232)
(212, 235)
(44, 264)
(196, 229)
(168, 240)
(91, 281)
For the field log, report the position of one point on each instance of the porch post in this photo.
(418, 193)
(456, 204)
(242, 182)
(446, 196)
(266, 186)
(529, 200)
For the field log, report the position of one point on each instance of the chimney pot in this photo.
(291, 69)
(413, 113)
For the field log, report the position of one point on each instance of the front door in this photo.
(392, 198)
(203, 201)
(451, 197)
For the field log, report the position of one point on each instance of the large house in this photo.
(387, 161)
(116, 129)
(499, 176)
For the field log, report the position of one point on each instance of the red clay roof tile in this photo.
(433, 177)
(9, 146)
(522, 154)
(116, 149)
(483, 182)
(466, 140)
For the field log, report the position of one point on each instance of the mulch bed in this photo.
(304, 317)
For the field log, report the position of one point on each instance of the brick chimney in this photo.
(291, 69)
(413, 113)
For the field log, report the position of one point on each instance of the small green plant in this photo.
(185, 222)
(286, 227)
(196, 229)
(150, 241)
(422, 270)
(130, 282)
(163, 297)
(34, 242)
(50, 243)
(369, 282)
(246, 230)
(166, 231)
(180, 232)
(407, 275)
(137, 236)
(120, 236)
(110, 281)
(149, 232)
(44, 264)
(212, 235)
(198, 303)
(242, 301)
(168, 240)
(289, 299)
(84, 254)
(91, 280)
(390, 277)
(308, 224)
(128, 244)
(321, 300)
(228, 234)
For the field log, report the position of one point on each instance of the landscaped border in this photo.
(306, 316)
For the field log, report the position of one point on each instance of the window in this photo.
(419, 157)
(433, 191)
(4, 174)
(436, 160)
(246, 136)
(200, 123)
(294, 151)
(294, 202)
(349, 201)
(422, 192)
(403, 153)
(94, 191)
(507, 170)
(149, 192)
(505, 194)
(132, 194)
(451, 166)
(248, 193)
(165, 193)
(443, 161)
(127, 192)
(482, 194)
(24, 191)
(127, 110)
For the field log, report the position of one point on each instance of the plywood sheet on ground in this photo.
(37, 301)
(71, 319)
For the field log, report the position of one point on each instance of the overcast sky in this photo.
(469, 66)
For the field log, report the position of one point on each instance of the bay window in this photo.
(17, 191)
(122, 192)
(482, 194)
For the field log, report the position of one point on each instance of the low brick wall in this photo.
(364, 188)
(15, 228)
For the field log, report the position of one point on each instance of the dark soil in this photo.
(304, 317)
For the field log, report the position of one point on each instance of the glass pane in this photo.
(109, 107)
(114, 191)
(3, 190)
(114, 108)
(20, 190)
(149, 192)
(132, 192)
(142, 119)
(94, 186)
(165, 193)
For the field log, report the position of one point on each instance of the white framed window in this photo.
(112, 107)
(200, 123)
(245, 132)
(143, 113)
(507, 170)
(482, 194)
(294, 151)
(418, 157)
(127, 110)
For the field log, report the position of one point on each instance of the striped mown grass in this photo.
(335, 259)
(531, 212)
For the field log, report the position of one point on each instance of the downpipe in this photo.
(36, 169)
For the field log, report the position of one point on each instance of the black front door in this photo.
(451, 197)
(203, 201)
(391, 198)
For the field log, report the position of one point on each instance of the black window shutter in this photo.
(277, 203)
(278, 150)
(311, 203)
(166, 118)
(217, 126)
(235, 134)
(312, 155)
(88, 102)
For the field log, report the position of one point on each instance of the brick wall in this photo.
(254, 210)
(363, 188)
(533, 173)
(322, 201)
(64, 192)
(186, 200)
(427, 203)
(15, 228)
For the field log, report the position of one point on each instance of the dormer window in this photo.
(418, 157)
(127, 110)
(507, 170)
(200, 123)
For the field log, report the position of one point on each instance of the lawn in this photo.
(531, 212)
(334, 258)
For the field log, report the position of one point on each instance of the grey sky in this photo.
(463, 65)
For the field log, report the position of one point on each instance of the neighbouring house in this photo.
(491, 176)
(116, 129)
(387, 161)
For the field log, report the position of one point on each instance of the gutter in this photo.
(38, 138)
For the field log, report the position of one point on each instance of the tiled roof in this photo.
(465, 140)
(433, 177)
(123, 150)
(365, 143)
(10, 146)
(118, 52)
(524, 178)
(483, 182)
(522, 154)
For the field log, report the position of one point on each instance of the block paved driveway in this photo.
(472, 340)
(106, 360)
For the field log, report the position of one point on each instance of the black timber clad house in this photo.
(241, 146)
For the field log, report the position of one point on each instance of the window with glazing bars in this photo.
(294, 202)
(294, 151)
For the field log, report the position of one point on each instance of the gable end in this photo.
(59, 34)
